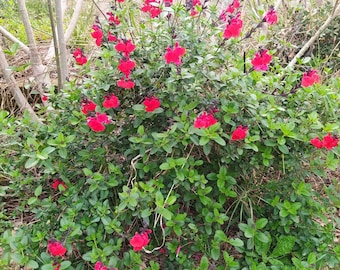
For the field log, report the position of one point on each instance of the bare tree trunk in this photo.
(39, 70)
(61, 43)
(12, 38)
(14, 88)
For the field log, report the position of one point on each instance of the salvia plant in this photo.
(184, 145)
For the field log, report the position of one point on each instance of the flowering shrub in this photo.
(177, 151)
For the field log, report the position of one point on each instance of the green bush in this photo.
(210, 200)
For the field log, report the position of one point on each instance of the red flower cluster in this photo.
(328, 142)
(97, 34)
(110, 101)
(150, 7)
(151, 104)
(205, 120)
(113, 19)
(44, 98)
(97, 123)
(239, 133)
(110, 37)
(271, 16)
(57, 182)
(174, 55)
(233, 28)
(79, 57)
(56, 248)
(168, 3)
(194, 5)
(125, 66)
(230, 10)
(309, 78)
(261, 60)
(87, 106)
(140, 240)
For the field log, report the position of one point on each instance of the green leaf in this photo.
(38, 191)
(62, 152)
(220, 236)
(32, 200)
(204, 140)
(165, 213)
(215, 252)
(165, 166)
(285, 245)
(219, 140)
(311, 258)
(31, 162)
(32, 264)
(261, 223)
(260, 236)
(207, 149)
(138, 107)
(284, 149)
(47, 267)
(236, 242)
(65, 265)
(204, 264)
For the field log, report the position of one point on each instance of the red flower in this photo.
(148, 6)
(239, 133)
(261, 60)
(95, 125)
(97, 34)
(309, 78)
(120, 1)
(329, 141)
(57, 182)
(110, 102)
(178, 249)
(122, 83)
(125, 47)
(126, 66)
(44, 98)
(56, 248)
(271, 16)
(151, 104)
(139, 241)
(113, 19)
(316, 142)
(233, 28)
(111, 37)
(100, 266)
(79, 57)
(205, 120)
(174, 55)
(88, 106)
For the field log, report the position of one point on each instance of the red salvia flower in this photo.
(239, 133)
(329, 141)
(103, 118)
(113, 19)
(205, 120)
(125, 66)
(151, 104)
(110, 102)
(100, 266)
(309, 78)
(174, 55)
(56, 248)
(97, 34)
(233, 28)
(95, 125)
(122, 83)
(111, 37)
(44, 98)
(139, 241)
(88, 106)
(261, 60)
(150, 8)
(79, 57)
(316, 142)
(125, 47)
(57, 182)
(271, 16)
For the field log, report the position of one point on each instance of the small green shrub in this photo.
(211, 197)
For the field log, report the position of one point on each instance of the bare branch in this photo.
(12, 38)
(14, 88)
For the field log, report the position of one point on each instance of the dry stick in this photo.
(14, 88)
(61, 43)
(56, 50)
(12, 38)
(335, 13)
(39, 70)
